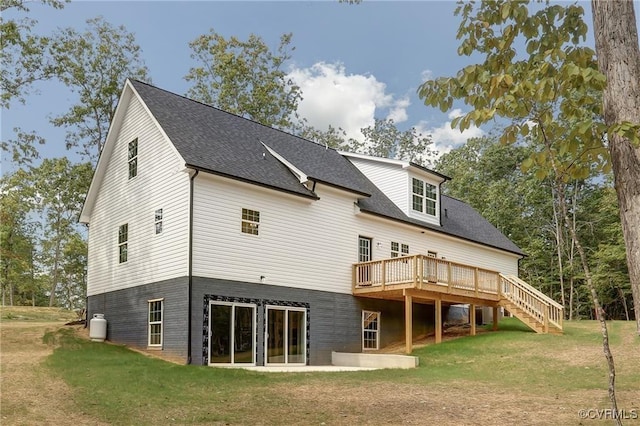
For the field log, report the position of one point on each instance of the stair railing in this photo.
(536, 304)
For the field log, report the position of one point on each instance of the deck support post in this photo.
(408, 323)
(438, 321)
(495, 318)
(472, 319)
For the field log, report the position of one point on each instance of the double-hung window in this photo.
(123, 240)
(156, 312)
(370, 330)
(424, 197)
(158, 221)
(133, 158)
(398, 250)
(250, 221)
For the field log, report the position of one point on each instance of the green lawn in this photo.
(566, 372)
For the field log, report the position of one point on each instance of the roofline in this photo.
(252, 182)
(128, 92)
(439, 231)
(302, 177)
(344, 188)
(402, 163)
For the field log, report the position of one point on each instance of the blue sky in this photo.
(353, 63)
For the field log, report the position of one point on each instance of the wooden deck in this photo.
(425, 279)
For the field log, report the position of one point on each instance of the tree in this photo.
(22, 53)
(551, 95)
(60, 187)
(23, 149)
(335, 138)
(94, 64)
(382, 139)
(244, 77)
(16, 233)
(619, 60)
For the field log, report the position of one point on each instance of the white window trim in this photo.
(158, 221)
(123, 243)
(232, 332)
(421, 215)
(251, 222)
(130, 160)
(400, 252)
(150, 323)
(286, 335)
(365, 314)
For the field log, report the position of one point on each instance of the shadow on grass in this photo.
(511, 324)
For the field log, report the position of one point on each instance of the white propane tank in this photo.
(98, 328)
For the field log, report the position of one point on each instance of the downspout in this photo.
(191, 184)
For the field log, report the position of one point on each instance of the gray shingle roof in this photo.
(226, 144)
(221, 143)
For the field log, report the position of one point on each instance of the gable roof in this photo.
(457, 219)
(222, 143)
(217, 142)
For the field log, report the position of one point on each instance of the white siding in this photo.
(303, 243)
(396, 183)
(421, 241)
(391, 179)
(161, 183)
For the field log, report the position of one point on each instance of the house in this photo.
(223, 241)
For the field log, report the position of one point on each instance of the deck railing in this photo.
(419, 269)
(440, 275)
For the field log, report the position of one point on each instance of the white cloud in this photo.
(444, 137)
(398, 112)
(426, 75)
(351, 101)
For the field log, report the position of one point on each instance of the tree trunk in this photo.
(599, 312)
(600, 315)
(559, 244)
(618, 54)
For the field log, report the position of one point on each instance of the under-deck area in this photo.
(428, 280)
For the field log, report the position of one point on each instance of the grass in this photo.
(513, 376)
(119, 386)
(36, 314)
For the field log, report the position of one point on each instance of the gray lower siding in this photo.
(334, 319)
(126, 312)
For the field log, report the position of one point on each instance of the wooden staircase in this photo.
(536, 310)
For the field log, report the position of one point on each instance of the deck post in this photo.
(472, 319)
(408, 323)
(438, 321)
(546, 319)
(354, 278)
(383, 271)
(495, 318)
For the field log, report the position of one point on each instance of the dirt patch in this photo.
(29, 395)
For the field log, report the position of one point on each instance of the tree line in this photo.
(541, 177)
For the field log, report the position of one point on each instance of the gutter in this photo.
(191, 184)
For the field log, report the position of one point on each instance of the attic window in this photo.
(250, 221)
(133, 158)
(424, 197)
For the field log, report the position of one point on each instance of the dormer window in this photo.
(424, 197)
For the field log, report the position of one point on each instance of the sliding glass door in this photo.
(232, 333)
(286, 333)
